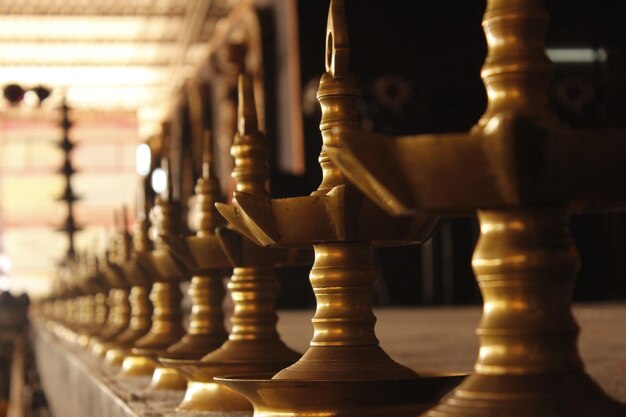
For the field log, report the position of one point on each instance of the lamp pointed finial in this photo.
(246, 109)
(337, 41)
(204, 215)
(249, 151)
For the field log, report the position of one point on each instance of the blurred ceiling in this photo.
(107, 54)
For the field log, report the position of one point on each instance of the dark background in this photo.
(418, 66)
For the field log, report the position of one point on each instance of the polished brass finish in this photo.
(344, 371)
(137, 272)
(137, 365)
(341, 398)
(140, 323)
(101, 309)
(205, 259)
(118, 320)
(344, 355)
(201, 396)
(528, 365)
(206, 327)
(254, 344)
(164, 378)
(119, 307)
(527, 172)
(94, 309)
(166, 328)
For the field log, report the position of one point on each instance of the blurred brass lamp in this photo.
(205, 259)
(527, 172)
(254, 345)
(94, 309)
(118, 318)
(165, 295)
(344, 364)
(138, 274)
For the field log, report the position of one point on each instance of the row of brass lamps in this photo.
(375, 190)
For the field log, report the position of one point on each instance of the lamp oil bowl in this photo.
(203, 393)
(346, 398)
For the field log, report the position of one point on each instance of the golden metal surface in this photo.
(101, 310)
(118, 318)
(117, 321)
(167, 379)
(166, 296)
(166, 328)
(114, 357)
(206, 327)
(140, 323)
(204, 258)
(342, 398)
(137, 273)
(199, 393)
(344, 371)
(528, 363)
(254, 344)
(343, 274)
(137, 365)
(86, 286)
(527, 172)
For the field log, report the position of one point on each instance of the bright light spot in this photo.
(30, 99)
(5, 283)
(143, 160)
(576, 55)
(84, 75)
(5, 263)
(158, 180)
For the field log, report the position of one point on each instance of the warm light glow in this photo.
(5, 263)
(30, 99)
(576, 55)
(150, 117)
(83, 75)
(5, 283)
(158, 180)
(42, 53)
(116, 96)
(115, 28)
(143, 159)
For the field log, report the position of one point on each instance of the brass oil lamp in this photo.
(138, 273)
(165, 295)
(94, 301)
(527, 173)
(344, 371)
(119, 307)
(205, 259)
(254, 344)
(206, 262)
(73, 305)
